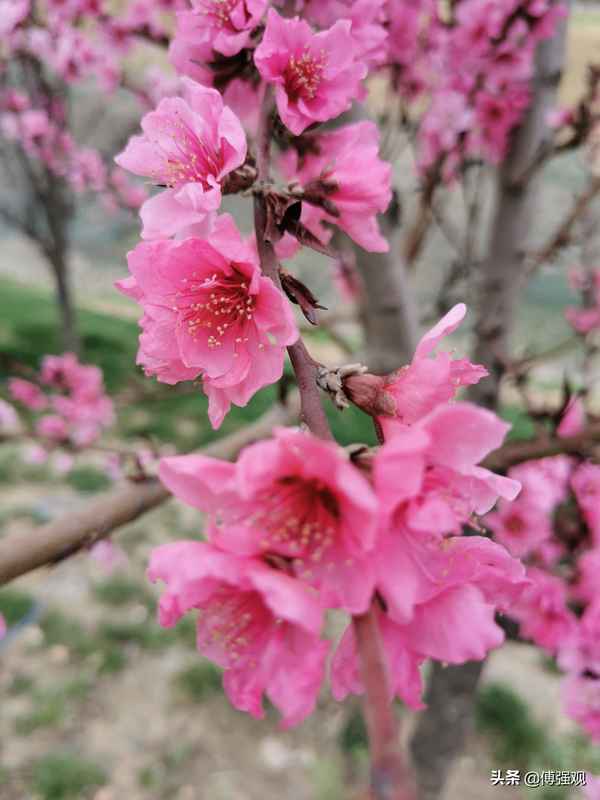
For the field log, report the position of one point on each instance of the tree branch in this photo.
(21, 553)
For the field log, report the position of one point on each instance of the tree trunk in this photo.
(389, 310)
(64, 298)
(501, 280)
(443, 727)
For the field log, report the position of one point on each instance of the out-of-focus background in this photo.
(97, 701)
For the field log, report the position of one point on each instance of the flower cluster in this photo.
(554, 526)
(68, 400)
(297, 527)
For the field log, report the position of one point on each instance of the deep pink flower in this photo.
(316, 76)
(349, 172)
(209, 312)
(293, 497)
(222, 25)
(28, 394)
(544, 482)
(542, 611)
(189, 145)
(259, 624)
(408, 394)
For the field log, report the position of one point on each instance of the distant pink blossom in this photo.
(316, 75)
(545, 481)
(35, 454)
(189, 144)
(27, 393)
(293, 497)
(585, 483)
(52, 427)
(257, 623)
(581, 695)
(519, 526)
(348, 171)
(586, 318)
(108, 555)
(208, 311)
(542, 611)
(9, 419)
(222, 25)
(573, 419)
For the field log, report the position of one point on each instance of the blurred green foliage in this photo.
(198, 681)
(65, 776)
(15, 604)
(88, 479)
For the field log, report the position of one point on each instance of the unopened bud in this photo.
(369, 393)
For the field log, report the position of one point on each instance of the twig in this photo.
(23, 552)
(583, 444)
(387, 771)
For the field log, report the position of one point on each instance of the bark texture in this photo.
(443, 727)
(502, 275)
(389, 309)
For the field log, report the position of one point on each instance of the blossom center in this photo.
(232, 625)
(215, 305)
(298, 518)
(303, 75)
(186, 158)
(514, 524)
(220, 11)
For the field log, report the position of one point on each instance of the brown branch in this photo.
(23, 552)
(562, 236)
(582, 444)
(387, 771)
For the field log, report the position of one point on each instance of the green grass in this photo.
(88, 479)
(51, 706)
(82, 644)
(198, 681)
(119, 590)
(65, 776)
(15, 604)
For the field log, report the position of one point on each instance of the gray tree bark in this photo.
(443, 727)
(502, 275)
(389, 308)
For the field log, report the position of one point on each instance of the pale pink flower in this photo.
(222, 25)
(189, 145)
(347, 170)
(588, 568)
(294, 498)
(34, 454)
(591, 790)
(257, 623)
(27, 393)
(542, 611)
(316, 76)
(519, 526)
(108, 555)
(9, 419)
(208, 311)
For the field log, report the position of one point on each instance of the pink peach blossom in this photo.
(294, 498)
(542, 611)
(3, 627)
(27, 393)
(348, 171)
(585, 483)
(189, 144)
(209, 312)
(257, 623)
(53, 427)
(222, 25)
(316, 75)
(520, 527)
(573, 419)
